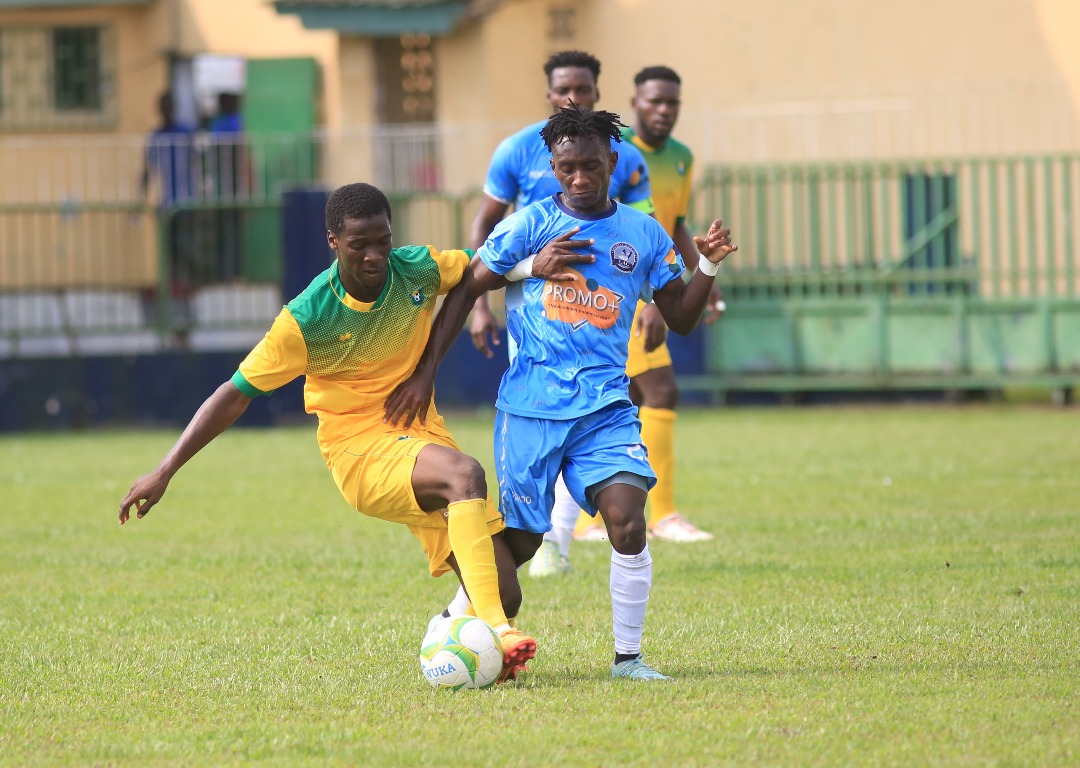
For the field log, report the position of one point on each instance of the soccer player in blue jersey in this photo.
(519, 174)
(576, 263)
(354, 334)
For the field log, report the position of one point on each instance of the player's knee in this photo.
(465, 479)
(657, 389)
(664, 394)
(628, 534)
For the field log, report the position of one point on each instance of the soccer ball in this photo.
(461, 652)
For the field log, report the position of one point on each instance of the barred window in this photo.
(76, 55)
(58, 77)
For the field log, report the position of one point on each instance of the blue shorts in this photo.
(588, 451)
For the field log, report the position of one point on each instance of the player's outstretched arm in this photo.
(410, 399)
(684, 242)
(682, 304)
(215, 415)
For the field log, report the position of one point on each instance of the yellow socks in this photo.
(658, 434)
(469, 538)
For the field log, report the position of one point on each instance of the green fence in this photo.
(951, 273)
(915, 274)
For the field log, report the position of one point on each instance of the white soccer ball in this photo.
(461, 652)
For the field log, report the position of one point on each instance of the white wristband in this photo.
(521, 270)
(707, 266)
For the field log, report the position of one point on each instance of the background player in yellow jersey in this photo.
(355, 333)
(656, 102)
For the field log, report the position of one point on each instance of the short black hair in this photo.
(573, 59)
(573, 122)
(354, 201)
(657, 73)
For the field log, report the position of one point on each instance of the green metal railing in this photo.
(993, 227)
(929, 273)
(901, 274)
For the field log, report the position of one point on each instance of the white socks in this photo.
(459, 606)
(631, 578)
(564, 515)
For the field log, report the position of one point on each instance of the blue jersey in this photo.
(572, 336)
(520, 171)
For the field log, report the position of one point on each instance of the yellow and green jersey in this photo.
(670, 174)
(353, 353)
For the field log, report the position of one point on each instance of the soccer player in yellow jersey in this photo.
(355, 333)
(653, 387)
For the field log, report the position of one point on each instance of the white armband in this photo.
(707, 266)
(521, 270)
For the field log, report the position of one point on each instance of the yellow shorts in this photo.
(638, 361)
(374, 474)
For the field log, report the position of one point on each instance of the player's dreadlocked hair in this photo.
(573, 122)
(572, 59)
(354, 201)
(657, 73)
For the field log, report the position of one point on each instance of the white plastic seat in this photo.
(32, 325)
(233, 305)
(232, 317)
(109, 323)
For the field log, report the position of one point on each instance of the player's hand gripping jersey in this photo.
(572, 336)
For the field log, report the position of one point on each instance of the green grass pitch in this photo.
(888, 586)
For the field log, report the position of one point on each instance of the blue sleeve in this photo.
(667, 263)
(502, 182)
(630, 184)
(510, 242)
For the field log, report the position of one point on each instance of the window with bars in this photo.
(76, 59)
(57, 77)
(408, 153)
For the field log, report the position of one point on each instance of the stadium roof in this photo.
(377, 18)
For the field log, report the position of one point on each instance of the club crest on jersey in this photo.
(623, 257)
(418, 297)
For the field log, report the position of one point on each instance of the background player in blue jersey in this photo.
(564, 404)
(520, 169)
(519, 174)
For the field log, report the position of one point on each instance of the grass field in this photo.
(888, 586)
